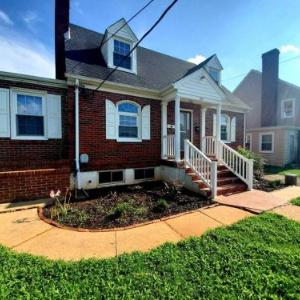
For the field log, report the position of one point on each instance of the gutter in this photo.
(77, 162)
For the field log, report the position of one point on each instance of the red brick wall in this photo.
(32, 184)
(239, 126)
(21, 154)
(196, 116)
(109, 154)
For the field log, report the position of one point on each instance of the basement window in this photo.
(111, 176)
(144, 173)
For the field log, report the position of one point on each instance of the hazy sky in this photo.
(238, 31)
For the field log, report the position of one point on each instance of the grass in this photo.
(281, 170)
(258, 257)
(295, 201)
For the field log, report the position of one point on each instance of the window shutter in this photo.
(146, 127)
(4, 113)
(111, 115)
(54, 116)
(233, 130)
(214, 125)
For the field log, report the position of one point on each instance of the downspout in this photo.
(77, 162)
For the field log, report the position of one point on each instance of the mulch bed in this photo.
(128, 205)
(268, 186)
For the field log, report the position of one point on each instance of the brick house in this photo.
(156, 117)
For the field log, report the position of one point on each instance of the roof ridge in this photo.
(141, 47)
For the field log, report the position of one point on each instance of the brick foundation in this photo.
(32, 184)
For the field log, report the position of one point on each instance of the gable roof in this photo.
(254, 80)
(155, 70)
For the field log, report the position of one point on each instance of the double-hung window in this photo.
(129, 120)
(225, 125)
(287, 108)
(266, 142)
(215, 74)
(29, 116)
(120, 58)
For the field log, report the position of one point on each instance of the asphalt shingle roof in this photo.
(155, 70)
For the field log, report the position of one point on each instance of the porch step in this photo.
(228, 183)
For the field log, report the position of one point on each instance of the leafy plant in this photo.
(161, 205)
(258, 162)
(295, 201)
(61, 204)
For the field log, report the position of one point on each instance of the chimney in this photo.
(269, 88)
(62, 10)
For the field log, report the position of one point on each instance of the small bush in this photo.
(126, 209)
(295, 201)
(258, 162)
(161, 206)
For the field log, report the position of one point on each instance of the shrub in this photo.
(126, 209)
(161, 205)
(258, 162)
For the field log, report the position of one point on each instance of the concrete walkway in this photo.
(259, 201)
(23, 231)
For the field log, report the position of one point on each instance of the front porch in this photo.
(195, 141)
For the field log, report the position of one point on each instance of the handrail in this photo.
(170, 143)
(236, 163)
(201, 165)
(209, 145)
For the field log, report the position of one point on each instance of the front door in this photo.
(185, 127)
(292, 147)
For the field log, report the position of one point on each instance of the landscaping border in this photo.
(62, 226)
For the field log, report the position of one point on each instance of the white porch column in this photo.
(218, 123)
(203, 122)
(164, 133)
(177, 128)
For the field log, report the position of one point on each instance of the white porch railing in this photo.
(209, 145)
(201, 165)
(236, 163)
(170, 145)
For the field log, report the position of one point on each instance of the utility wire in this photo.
(135, 15)
(281, 62)
(126, 23)
(135, 46)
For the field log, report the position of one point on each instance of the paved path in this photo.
(259, 201)
(23, 231)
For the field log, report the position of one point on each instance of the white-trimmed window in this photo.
(128, 120)
(28, 115)
(266, 142)
(121, 50)
(248, 141)
(287, 108)
(225, 128)
(214, 73)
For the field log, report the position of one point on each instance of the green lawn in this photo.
(296, 201)
(256, 258)
(281, 170)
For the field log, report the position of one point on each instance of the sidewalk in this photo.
(23, 231)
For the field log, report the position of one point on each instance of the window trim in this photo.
(228, 128)
(250, 140)
(260, 142)
(283, 115)
(132, 55)
(139, 122)
(13, 113)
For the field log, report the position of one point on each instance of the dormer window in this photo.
(121, 50)
(215, 74)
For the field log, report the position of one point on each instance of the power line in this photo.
(243, 74)
(135, 46)
(126, 23)
(135, 15)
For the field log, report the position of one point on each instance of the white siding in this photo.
(198, 86)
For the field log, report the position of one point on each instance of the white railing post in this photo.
(214, 179)
(250, 174)
(186, 151)
(164, 130)
(203, 121)
(177, 128)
